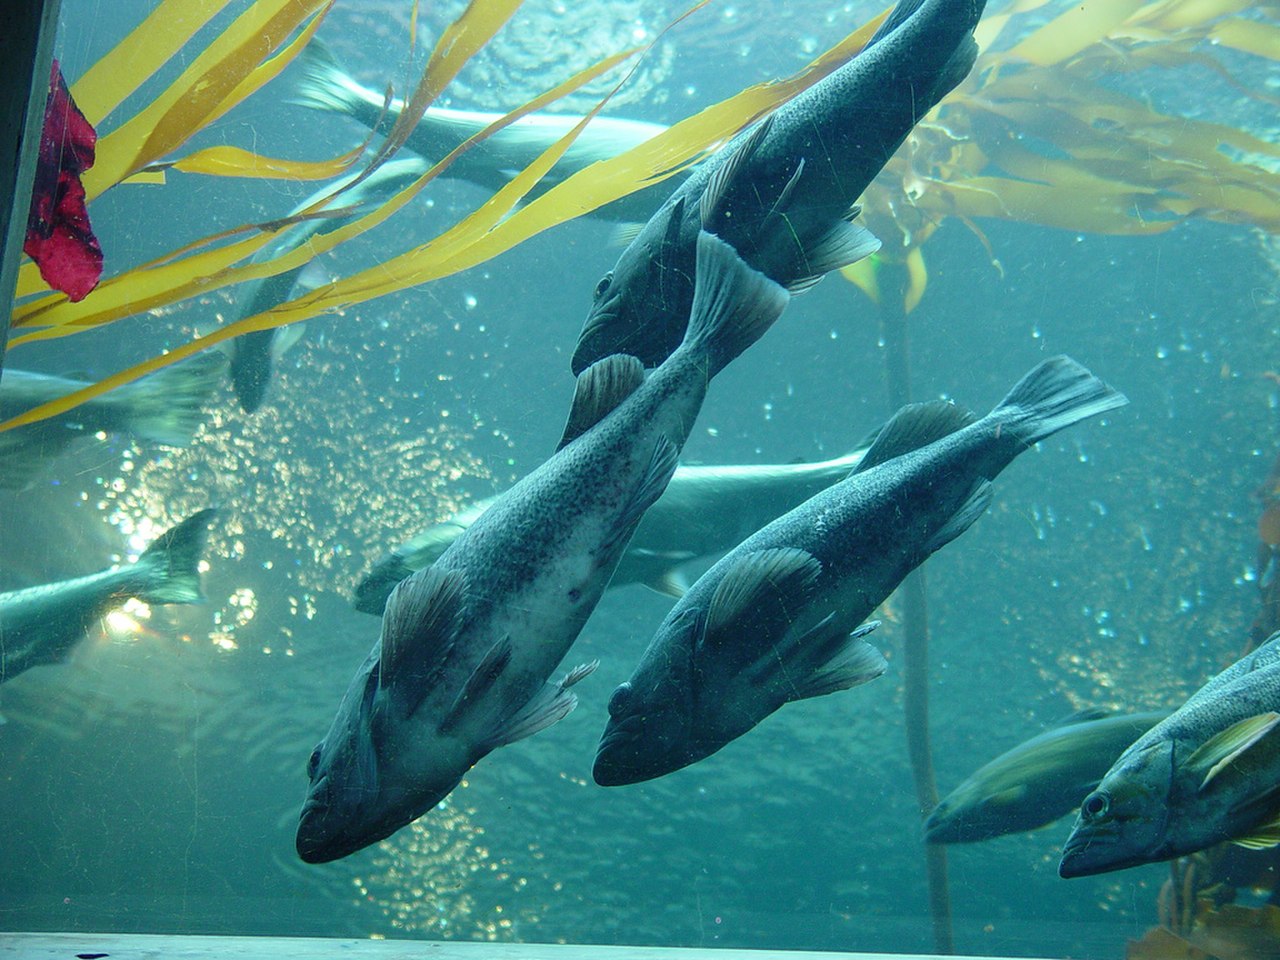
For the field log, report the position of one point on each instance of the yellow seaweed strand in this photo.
(202, 88)
(128, 64)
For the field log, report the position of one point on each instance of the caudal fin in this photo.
(171, 563)
(733, 305)
(325, 85)
(1053, 396)
(165, 406)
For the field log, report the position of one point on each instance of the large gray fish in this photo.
(43, 624)
(778, 618)
(704, 511)
(326, 86)
(1207, 774)
(254, 355)
(469, 643)
(782, 193)
(1037, 781)
(163, 407)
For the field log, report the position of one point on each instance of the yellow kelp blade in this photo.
(168, 281)
(1082, 25)
(199, 93)
(586, 190)
(138, 56)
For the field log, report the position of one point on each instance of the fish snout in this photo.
(600, 336)
(621, 757)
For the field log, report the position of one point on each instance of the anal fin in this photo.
(549, 706)
(599, 391)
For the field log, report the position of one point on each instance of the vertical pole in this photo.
(915, 617)
(26, 54)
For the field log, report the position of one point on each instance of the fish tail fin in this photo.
(165, 406)
(326, 85)
(733, 305)
(171, 563)
(1053, 396)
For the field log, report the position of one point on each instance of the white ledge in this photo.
(116, 946)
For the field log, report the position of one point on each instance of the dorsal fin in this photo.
(418, 630)
(714, 193)
(914, 426)
(600, 389)
(760, 595)
(1086, 715)
(1225, 747)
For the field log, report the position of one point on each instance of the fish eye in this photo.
(618, 702)
(1095, 805)
(313, 763)
(603, 285)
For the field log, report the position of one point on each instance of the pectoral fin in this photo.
(1224, 748)
(475, 691)
(599, 391)
(419, 625)
(759, 596)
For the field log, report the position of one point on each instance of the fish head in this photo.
(641, 306)
(651, 715)
(372, 774)
(971, 813)
(1124, 822)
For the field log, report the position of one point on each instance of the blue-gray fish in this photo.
(1037, 781)
(781, 616)
(783, 193)
(468, 644)
(163, 407)
(326, 86)
(705, 511)
(254, 355)
(43, 624)
(1207, 774)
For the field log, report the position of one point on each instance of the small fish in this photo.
(784, 192)
(325, 85)
(163, 407)
(468, 644)
(254, 355)
(780, 617)
(705, 511)
(1207, 774)
(1037, 781)
(43, 624)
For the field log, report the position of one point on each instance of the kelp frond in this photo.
(488, 231)
(1039, 133)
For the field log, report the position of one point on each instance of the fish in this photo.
(784, 192)
(326, 86)
(1208, 773)
(162, 407)
(1038, 781)
(781, 617)
(705, 511)
(253, 356)
(42, 625)
(469, 643)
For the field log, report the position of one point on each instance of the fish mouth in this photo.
(595, 340)
(620, 759)
(1090, 852)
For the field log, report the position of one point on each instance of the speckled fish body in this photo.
(704, 511)
(783, 192)
(468, 644)
(778, 618)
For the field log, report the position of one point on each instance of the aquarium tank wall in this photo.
(439, 500)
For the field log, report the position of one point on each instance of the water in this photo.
(153, 783)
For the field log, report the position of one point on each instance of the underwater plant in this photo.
(232, 67)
